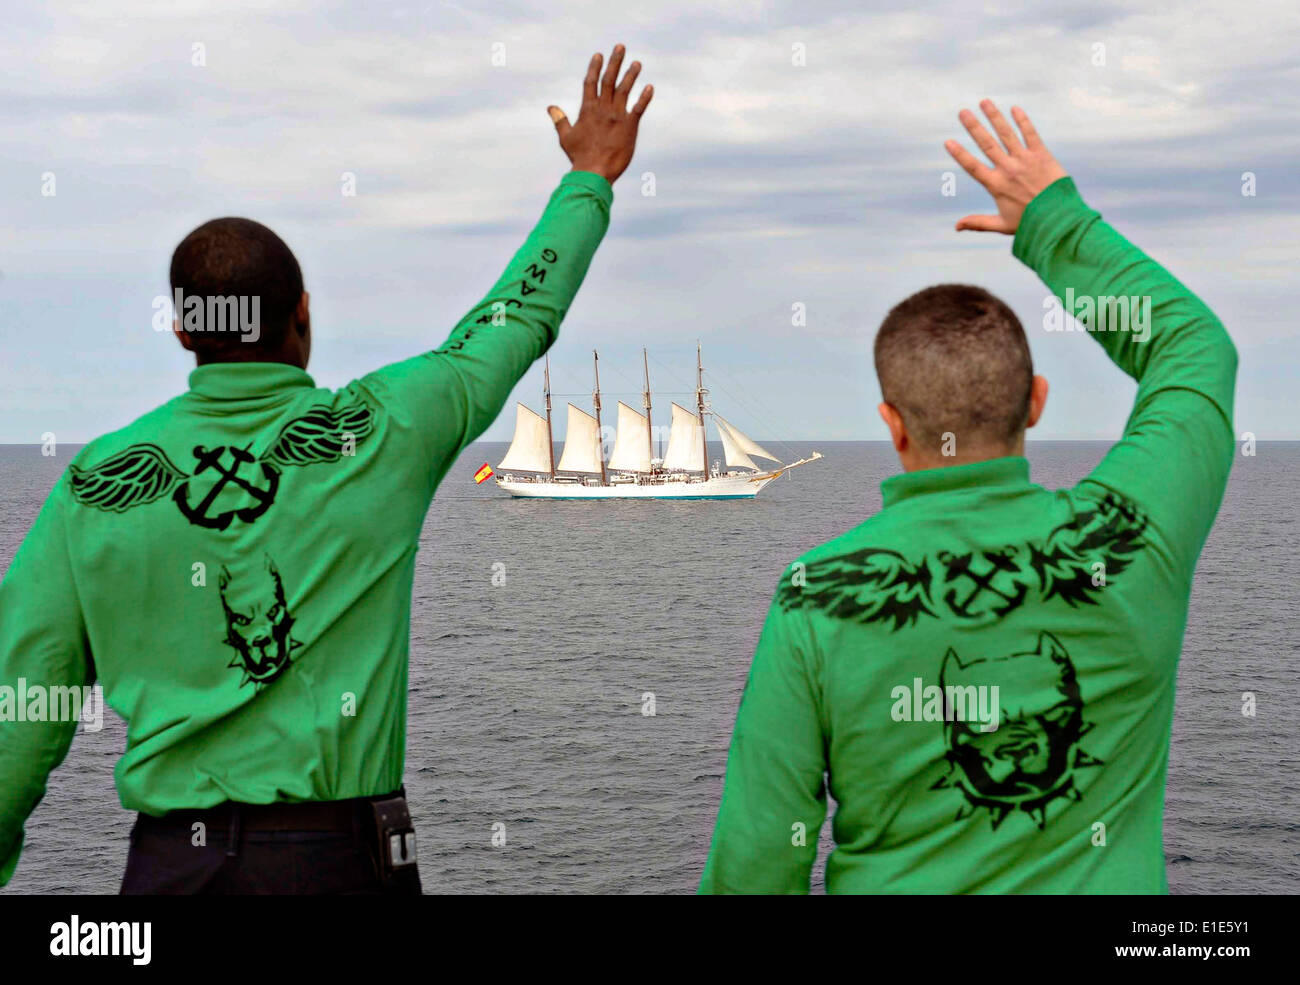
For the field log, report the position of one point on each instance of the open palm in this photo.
(1021, 169)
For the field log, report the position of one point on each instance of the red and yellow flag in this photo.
(483, 474)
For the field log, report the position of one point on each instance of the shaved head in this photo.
(954, 359)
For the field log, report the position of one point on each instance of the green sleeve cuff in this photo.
(592, 182)
(1053, 212)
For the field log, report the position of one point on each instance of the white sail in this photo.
(581, 443)
(743, 442)
(632, 442)
(732, 451)
(685, 442)
(530, 451)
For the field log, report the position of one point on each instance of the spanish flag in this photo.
(483, 474)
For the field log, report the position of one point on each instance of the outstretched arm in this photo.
(449, 396)
(1176, 451)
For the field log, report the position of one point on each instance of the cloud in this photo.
(776, 182)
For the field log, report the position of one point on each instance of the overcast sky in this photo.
(776, 184)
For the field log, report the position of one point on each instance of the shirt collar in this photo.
(1010, 471)
(241, 380)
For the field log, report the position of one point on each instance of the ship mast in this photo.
(595, 400)
(550, 439)
(645, 399)
(699, 400)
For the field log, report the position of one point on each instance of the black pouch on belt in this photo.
(396, 848)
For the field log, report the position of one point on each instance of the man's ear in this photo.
(302, 314)
(186, 340)
(1037, 400)
(894, 421)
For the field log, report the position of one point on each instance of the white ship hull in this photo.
(734, 485)
(718, 487)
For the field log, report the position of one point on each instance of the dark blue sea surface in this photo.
(526, 698)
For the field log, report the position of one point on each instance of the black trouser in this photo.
(310, 848)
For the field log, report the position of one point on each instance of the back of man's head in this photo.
(236, 265)
(953, 359)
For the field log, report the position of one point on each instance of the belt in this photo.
(308, 815)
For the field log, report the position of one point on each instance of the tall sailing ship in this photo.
(529, 469)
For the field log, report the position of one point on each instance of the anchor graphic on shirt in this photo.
(1000, 562)
(144, 473)
(211, 459)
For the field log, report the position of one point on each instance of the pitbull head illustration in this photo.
(1030, 759)
(258, 624)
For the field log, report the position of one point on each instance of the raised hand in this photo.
(604, 137)
(1020, 170)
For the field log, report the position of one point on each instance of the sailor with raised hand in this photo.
(982, 674)
(235, 567)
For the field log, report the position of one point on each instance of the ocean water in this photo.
(525, 707)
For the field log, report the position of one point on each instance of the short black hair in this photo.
(238, 258)
(954, 358)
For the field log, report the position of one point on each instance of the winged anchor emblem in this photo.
(142, 474)
(877, 585)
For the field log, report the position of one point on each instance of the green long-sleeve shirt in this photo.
(235, 567)
(974, 597)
